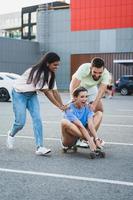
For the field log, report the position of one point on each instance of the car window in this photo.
(125, 78)
(1, 78)
(13, 78)
(131, 78)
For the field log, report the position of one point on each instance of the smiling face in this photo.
(54, 66)
(81, 99)
(96, 73)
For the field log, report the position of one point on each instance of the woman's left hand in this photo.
(63, 107)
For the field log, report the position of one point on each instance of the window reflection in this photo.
(25, 18)
(33, 30)
(25, 31)
(33, 17)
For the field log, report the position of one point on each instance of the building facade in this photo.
(17, 55)
(78, 32)
(10, 25)
(29, 18)
(89, 28)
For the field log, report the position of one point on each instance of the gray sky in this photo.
(8, 6)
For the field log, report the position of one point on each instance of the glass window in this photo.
(25, 31)
(125, 78)
(3, 33)
(11, 35)
(33, 30)
(131, 78)
(16, 34)
(1, 78)
(25, 18)
(33, 17)
(13, 78)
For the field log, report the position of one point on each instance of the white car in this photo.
(6, 83)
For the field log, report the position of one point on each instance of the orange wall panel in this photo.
(101, 14)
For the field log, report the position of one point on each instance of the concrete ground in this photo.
(72, 176)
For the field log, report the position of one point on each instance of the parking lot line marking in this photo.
(120, 116)
(119, 143)
(114, 125)
(80, 178)
(119, 125)
(58, 139)
(127, 110)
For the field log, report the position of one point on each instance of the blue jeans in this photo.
(21, 102)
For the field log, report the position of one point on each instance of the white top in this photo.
(21, 85)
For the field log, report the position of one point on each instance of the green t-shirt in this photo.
(83, 74)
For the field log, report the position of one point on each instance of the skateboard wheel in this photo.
(64, 150)
(102, 154)
(75, 149)
(92, 155)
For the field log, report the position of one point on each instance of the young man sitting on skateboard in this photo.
(80, 122)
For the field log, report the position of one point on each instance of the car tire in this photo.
(124, 91)
(4, 95)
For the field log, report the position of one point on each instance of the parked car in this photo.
(124, 85)
(6, 83)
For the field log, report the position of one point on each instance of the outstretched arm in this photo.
(85, 134)
(101, 91)
(54, 97)
(92, 129)
(74, 84)
(57, 96)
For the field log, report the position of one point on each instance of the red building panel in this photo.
(101, 14)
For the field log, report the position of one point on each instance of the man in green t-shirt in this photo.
(95, 78)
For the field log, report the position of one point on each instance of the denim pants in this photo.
(21, 102)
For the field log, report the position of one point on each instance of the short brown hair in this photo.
(97, 62)
(78, 90)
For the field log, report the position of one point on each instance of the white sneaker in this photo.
(10, 141)
(41, 151)
(64, 148)
(82, 144)
(110, 97)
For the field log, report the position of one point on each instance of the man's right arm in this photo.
(74, 84)
(79, 75)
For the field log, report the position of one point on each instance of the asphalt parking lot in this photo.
(72, 176)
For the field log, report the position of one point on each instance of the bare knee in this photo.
(99, 114)
(69, 141)
(64, 123)
(99, 107)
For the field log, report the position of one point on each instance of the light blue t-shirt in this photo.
(82, 114)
